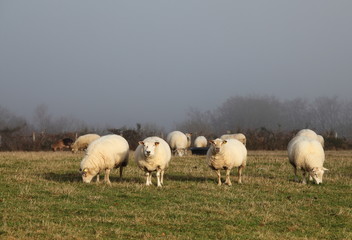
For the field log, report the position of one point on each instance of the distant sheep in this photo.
(239, 136)
(226, 154)
(153, 154)
(178, 142)
(104, 154)
(311, 134)
(61, 144)
(83, 141)
(200, 141)
(307, 154)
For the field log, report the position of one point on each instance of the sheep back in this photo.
(239, 136)
(82, 142)
(311, 134)
(200, 141)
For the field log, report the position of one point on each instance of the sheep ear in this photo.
(141, 143)
(156, 143)
(224, 142)
(211, 141)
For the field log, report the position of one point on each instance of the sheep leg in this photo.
(98, 177)
(310, 177)
(219, 177)
(121, 170)
(296, 177)
(240, 168)
(158, 177)
(162, 177)
(304, 180)
(228, 180)
(149, 178)
(106, 177)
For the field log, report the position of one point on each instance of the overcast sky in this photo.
(123, 62)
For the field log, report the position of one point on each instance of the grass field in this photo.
(42, 197)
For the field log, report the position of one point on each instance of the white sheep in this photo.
(105, 153)
(200, 141)
(83, 141)
(307, 154)
(178, 142)
(239, 136)
(226, 154)
(153, 154)
(311, 134)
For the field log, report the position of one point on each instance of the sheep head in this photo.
(317, 174)
(216, 145)
(87, 175)
(149, 148)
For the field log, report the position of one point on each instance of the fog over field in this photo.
(121, 62)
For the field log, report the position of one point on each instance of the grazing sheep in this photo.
(105, 153)
(307, 154)
(83, 141)
(311, 134)
(226, 154)
(153, 154)
(62, 143)
(200, 141)
(178, 142)
(239, 136)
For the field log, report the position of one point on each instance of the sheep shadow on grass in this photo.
(74, 177)
(184, 178)
(62, 177)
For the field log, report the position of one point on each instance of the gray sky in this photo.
(121, 62)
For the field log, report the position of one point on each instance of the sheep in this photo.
(311, 134)
(239, 136)
(153, 154)
(62, 143)
(200, 141)
(83, 141)
(226, 154)
(105, 153)
(179, 142)
(308, 155)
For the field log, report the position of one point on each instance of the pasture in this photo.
(42, 197)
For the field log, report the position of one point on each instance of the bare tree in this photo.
(248, 113)
(42, 118)
(197, 122)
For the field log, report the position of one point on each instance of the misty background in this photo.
(205, 66)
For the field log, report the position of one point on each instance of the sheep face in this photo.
(149, 148)
(317, 174)
(216, 145)
(87, 175)
(180, 152)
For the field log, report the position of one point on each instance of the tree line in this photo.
(267, 122)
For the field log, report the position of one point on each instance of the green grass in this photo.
(42, 197)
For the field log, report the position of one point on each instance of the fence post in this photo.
(33, 136)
